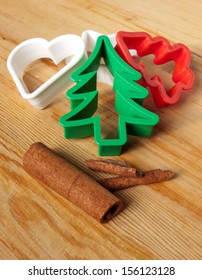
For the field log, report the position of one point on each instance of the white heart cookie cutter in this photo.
(69, 47)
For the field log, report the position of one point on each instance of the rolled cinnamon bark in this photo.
(112, 167)
(150, 176)
(70, 182)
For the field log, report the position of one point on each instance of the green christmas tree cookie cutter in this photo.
(133, 118)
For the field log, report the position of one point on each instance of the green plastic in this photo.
(133, 118)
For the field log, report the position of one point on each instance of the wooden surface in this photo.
(161, 221)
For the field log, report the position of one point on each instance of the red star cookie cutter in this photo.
(164, 52)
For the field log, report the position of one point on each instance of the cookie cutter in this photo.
(90, 38)
(144, 44)
(69, 48)
(133, 118)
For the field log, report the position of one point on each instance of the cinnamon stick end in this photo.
(113, 211)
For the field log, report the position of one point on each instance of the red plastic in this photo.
(144, 44)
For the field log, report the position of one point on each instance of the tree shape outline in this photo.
(133, 118)
(163, 51)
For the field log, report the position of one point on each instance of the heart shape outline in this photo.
(69, 47)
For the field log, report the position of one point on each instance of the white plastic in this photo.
(90, 37)
(69, 47)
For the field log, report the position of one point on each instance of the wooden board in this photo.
(161, 221)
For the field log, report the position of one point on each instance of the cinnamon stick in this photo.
(112, 167)
(70, 182)
(151, 176)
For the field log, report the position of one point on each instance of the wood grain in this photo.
(161, 221)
